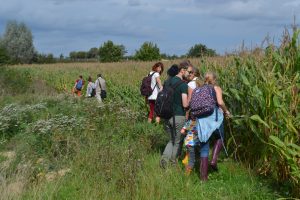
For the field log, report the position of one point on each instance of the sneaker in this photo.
(163, 163)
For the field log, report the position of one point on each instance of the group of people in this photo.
(193, 131)
(94, 89)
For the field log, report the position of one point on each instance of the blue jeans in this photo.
(204, 146)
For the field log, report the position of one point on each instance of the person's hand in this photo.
(182, 131)
(227, 114)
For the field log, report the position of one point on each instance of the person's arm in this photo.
(190, 91)
(158, 81)
(184, 95)
(220, 100)
(184, 100)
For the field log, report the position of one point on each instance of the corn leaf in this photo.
(258, 119)
(277, 141)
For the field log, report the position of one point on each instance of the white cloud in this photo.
(174, 25)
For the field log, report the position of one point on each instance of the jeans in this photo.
(204, 146)
(192, 156)
(151, 105)
(171, 151)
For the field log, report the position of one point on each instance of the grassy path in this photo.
(232, 182)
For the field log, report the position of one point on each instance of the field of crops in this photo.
(73, 134)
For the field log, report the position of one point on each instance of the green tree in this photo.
(93, 53)
(148, 52)
(110, 52)
(73, 55)
(4, 58)
(61, 57)
(43, 58)
(169, 57)
(18, 42)
(199, 50)
(81, 55)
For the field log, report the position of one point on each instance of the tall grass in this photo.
(263, 94)
(105, 157)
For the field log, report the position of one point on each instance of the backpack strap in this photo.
(155, 83)
(99, 84)
(214, 95)
(173, 131)
(177, 84)
(173, 117)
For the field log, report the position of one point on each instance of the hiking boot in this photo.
(213, 168)
(215, 154)
(204, 168)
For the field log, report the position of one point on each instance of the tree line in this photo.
(16, 46)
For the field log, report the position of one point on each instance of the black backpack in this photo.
(93, 93)
(164, 102)
(145, 88)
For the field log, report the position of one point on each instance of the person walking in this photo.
(79, 83)
(100, 85)
(156, 86)
(189, 131)
(193, 76)
(211, 125)
(90, 90)
(171, 151)
(172, 71)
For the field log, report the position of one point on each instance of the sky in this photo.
(62, 26)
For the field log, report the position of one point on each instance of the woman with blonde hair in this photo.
(208, 120)
(210, 78)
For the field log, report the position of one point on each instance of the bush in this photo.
(148, 52)
(109, 52)
(14, 81)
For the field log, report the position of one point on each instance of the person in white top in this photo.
(90, 87)
(193, 82)
(156, 85)
(193, 76)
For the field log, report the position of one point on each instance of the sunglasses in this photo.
(190, 72)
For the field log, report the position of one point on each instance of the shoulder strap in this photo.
(99, 84)
(177, 84)
(151, 74)
(213, 93)
(155, 80)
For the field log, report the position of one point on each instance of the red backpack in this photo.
(145, 88)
